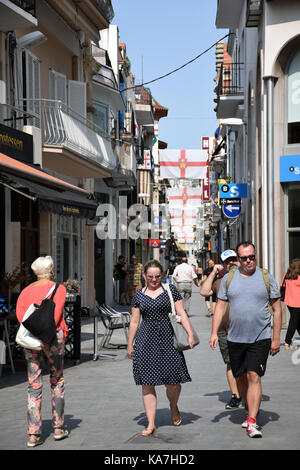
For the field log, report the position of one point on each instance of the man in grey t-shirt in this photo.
(249, 334)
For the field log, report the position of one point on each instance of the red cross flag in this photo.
(184, 197)
(190, 164)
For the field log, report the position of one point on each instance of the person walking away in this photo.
(209, 287)
(169, 273)
(213, 298)
(249, 335)
(122, 276)
(292, 300)
(135, 275)
(150, 344)
(199, 272)
(43, 268)
(184, 276)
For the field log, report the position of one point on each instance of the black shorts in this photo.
(213, 298)
(249, 356)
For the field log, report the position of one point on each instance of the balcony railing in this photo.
(62, 127)
(26, 5)
(106, 8)
(230, 79)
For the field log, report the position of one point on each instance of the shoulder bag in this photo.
(38, 324)
(282, 290)
(181, 342)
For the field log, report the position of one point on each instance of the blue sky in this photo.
(162, 35)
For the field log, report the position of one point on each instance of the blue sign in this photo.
(232, 191)
(231, 210)
(289, 168)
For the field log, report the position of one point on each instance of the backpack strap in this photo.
(230, 276)
(266, 279)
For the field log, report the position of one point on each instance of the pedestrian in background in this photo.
(121, 274)
(184, 275)
(43, 268)
(170, 271)
(292, 300)
(135, 277)
(209, 287)
(213, 298)
(155, 359)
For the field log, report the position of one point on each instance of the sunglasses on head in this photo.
(250, 257)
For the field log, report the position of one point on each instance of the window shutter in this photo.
(77, 97)
(33, 90)
(58, 86)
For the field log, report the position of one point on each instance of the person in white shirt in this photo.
(184, 275)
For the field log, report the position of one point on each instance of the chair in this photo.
(112, 322)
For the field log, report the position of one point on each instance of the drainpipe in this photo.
(270, 82)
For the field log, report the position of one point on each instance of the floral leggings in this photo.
(54, 356)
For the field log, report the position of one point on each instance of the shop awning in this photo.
(52, 194)
(50, 200)
(15, 167)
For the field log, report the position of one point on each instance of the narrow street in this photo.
(104, 409)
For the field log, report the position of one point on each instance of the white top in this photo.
(184, 273)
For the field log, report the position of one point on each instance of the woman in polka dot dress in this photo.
(155, 360)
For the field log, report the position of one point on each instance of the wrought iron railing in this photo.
(26, 5)
(63, 127)
(230, 79)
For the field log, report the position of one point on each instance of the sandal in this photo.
(34, 440)
(177, 420)
(62, 434)
(148, 431)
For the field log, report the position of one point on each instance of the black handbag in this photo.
(41, 322)
(282, 290)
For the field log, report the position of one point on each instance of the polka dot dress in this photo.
(155, 360)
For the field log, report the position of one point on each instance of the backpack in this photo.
(266, 279)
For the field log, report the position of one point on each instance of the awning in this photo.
(51, 200)
(15, 167)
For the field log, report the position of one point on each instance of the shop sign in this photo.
(16, 144)
(289, 168)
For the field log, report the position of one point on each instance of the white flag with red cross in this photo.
(190, 163)
(184, 197)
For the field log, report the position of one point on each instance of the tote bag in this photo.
(181, 340)
(24, 338)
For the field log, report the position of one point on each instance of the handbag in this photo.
(24, 337)
(282, 290)
(181, 340)
(41, 322)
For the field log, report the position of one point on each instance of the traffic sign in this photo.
(232, 191)
(231, 210)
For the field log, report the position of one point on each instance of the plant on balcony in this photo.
(72, 286)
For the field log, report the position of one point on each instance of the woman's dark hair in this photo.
(153, 263)
(293, 269)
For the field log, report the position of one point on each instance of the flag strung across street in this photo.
(184, 197)
(189, 163)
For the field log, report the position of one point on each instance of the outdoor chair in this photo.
(113, 310)
(111, 322)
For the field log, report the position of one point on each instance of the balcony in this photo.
(229, 13)
(143, 109)
(72, 145)
(105, 7)
(230, 90)
(17, 14)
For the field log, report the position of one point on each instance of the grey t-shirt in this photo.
(249, 316)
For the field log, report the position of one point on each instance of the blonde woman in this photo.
(54, 355)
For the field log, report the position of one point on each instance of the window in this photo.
(294, 100)
(70, 92)
(101, 116)
(31, 86)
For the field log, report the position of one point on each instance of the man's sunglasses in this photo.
(244, 258)
(232, 258)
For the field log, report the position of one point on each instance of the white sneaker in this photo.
(245, 422)
(252, 430)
